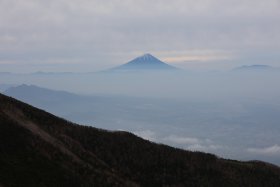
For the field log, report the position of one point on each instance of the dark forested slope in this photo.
(39, 149)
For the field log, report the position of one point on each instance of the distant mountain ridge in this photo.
(4, 87)
(47, 99)
(25, 92)
(255, 67)
(145, 62)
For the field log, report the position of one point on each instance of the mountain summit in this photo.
(145, 62)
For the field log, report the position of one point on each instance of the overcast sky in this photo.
(91, 35)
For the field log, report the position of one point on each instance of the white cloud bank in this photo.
(180, 140)
(273, 150)
(147, 135)
(184, 142)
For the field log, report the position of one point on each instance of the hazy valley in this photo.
(233, 114)
(139, 93)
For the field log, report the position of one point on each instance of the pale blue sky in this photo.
(91, 35)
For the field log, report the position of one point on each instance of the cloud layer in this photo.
(267, 151)
(184, 142)
(100, 34)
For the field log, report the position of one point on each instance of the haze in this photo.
(224, 98)
(66, 35)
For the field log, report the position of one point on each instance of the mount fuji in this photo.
(145, 62)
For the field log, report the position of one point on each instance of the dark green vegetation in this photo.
(39, 149)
